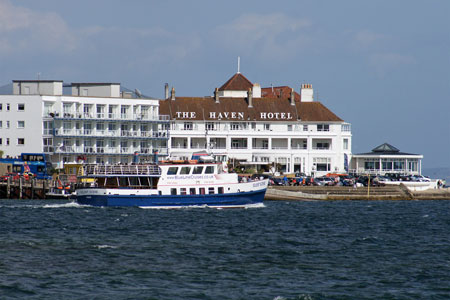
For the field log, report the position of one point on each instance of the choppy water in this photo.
(286, 250)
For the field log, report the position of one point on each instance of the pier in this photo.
(350, 193)
(24, 189)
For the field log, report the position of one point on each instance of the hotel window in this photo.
(166, 126)
(1, 106)
(345, 144)
(48, 144)
(266, 126)
(289, 127)
(210, 126)
(188, 126)
(1, 123)
(0, 141)
(7, 106)
(305, 127)
(21, 107)
(7, 124)
(48, 127)
(20, 124)
(386, 164)
(67, 109)
(7, 141)
(20, 141)
(237, 126)
(323, 127)
(322, 163)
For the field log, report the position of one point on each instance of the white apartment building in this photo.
(94, 123)
(261, 128)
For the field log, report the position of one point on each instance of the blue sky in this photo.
(383, 66)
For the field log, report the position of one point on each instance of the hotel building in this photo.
(90, 122)
(275, 129)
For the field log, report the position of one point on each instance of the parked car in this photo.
(276, 181)
(420, 178)
(324, 180)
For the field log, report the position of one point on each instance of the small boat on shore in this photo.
(168, 185)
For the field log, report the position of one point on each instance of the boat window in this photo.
(144, 181)
(211, 190)
(172, 171)
(209, 170)
(220, 190)
(202, 191)
(101, 181)
(133, 181)
(198, 170)
(182, 191)
(123, 181)
(192, 191)
(111, 182)
(185, 170)
(173, 191)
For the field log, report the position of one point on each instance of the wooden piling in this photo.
(20, 188)
(8, 188)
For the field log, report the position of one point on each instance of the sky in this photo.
(383, 66)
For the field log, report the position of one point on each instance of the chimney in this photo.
(306, 93)
(166, 91)
(250, 97)
(172, 94)
(292, 97)
(216, 95)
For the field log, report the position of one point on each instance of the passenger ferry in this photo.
(167, 185)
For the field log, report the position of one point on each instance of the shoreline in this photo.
(299, 193)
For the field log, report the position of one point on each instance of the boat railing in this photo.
(138, 169)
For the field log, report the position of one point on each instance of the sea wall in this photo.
(350, 193)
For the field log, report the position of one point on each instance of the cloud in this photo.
(384, 62)
(22, 29)
(272, 35)
(366, 38)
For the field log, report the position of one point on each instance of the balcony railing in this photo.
(102, 150)
(104, 115)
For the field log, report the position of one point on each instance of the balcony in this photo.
(88, 115)
(321, 147)
(102, 150)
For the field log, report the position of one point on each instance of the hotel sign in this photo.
(235, 115)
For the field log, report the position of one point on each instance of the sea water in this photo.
(285, 250)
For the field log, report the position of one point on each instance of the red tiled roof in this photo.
(202, 106)
(279, 92)
(237, 82)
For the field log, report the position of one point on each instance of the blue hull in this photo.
(167, 201)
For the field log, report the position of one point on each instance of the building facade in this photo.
(94, 122)
(274, 129)
(387, 159)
